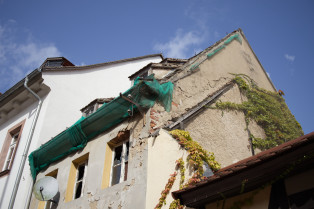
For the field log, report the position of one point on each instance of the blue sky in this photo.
(88, 32)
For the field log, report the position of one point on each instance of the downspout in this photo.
(28, 143)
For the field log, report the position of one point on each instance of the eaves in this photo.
(19, 87)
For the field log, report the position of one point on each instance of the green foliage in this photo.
(165, 192)
(197, 155)
(180, 165)
(269, 110)
(175, 204)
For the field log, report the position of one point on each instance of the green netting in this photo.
(215, 51)
(144, 93)
(235, 36)
(194, 66)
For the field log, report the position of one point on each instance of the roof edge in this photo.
(290, 150)
(242, 34)
(100, 64)
(33, 76)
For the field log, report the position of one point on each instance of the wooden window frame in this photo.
(124, 160)
(17, 129)
(77, 181)
(72, 180)
(122, 136)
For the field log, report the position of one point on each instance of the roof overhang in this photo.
(255, 171)
(84, 67)
(18, 97)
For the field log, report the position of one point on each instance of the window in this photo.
(89, 110)
(9, 148)
(77, 178)
(80, 177)
(94, 105)
(116, 160)
(119, 168)
(12, 149)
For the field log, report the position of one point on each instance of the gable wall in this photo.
(222, 133)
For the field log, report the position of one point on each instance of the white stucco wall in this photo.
(7, 181)
(72, 90)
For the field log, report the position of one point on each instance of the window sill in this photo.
(5, 172)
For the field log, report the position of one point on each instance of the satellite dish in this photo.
(45, 188)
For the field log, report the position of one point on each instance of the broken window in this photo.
(120, 163)
(77, 178)
(80, 178)
(91, 109)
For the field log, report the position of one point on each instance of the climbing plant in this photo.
(165, 192)
(196, 158)
(197, 154)
(268, 109)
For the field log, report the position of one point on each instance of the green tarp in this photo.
(144, 93)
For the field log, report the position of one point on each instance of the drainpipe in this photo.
(28, 143)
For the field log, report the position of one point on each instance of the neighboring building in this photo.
(64, 89)
(281, 177)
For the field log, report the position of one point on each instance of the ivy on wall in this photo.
(196, 158)
(197, 154)
(165, 192)
(268, 109)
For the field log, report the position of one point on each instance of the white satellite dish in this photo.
(45, 188)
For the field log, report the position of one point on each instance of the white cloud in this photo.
(290, 57)
(186, 43)
(33, 55)
(20, 56)
(180, 45)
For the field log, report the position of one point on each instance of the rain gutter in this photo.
(29, 140)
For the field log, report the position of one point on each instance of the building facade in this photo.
(125, 153)
(63, 89)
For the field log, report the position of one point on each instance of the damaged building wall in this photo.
(94, 196)
(223, 133)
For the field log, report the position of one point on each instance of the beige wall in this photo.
(223, 133)
(300, 182)
(163, 151)
(259, 201)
